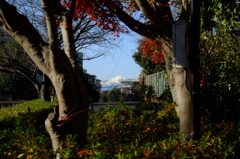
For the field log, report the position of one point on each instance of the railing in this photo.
(159, 82)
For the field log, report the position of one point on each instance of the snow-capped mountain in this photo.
(112, 83)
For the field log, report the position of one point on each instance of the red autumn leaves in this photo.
(96, 11)
(152, 50)
(106, 20)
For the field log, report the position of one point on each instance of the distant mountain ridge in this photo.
(115, 80)
(112, 83)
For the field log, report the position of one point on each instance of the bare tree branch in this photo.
(19, 27)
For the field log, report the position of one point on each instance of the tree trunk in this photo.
(72, 97)
(159, 28)
(183, 99)
(55, 130)
(180, 85)
(45, 89)
(71, 116)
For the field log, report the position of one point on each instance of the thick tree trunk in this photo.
(183, 99)
(160, 28)
(180, 85)
(72, 114)
(55, 131)
(72, 97)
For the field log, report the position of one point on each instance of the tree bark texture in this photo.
(182, 77)
(159, 27)
(54, 128)
(72, 114)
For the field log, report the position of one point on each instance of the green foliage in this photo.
(22, 133)
(215, 12)
(30, 106)
(16, 72)
(119, 132)
(123, 132)
(16, 87)
(114, 95)
(148, 66)
(220, 69)
(125, 95)
(147, 97)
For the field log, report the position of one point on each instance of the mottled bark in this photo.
(55, 129)
(179, 79)
(72, 98)
(72, 114)
(183, 98)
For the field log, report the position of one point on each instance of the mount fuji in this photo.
(112, 83)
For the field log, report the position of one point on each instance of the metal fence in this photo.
(159, 82)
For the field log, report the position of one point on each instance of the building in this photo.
(80, 59)
(90, 78)
(94, 81)
(126, 85)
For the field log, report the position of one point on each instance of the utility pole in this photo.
(195, 66)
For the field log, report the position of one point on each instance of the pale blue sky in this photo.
(118, 60)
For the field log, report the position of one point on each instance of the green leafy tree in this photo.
(220, 69)
(220, 59)
(16, 87)
(114, 95)
(15, 60)
(215, 12)
(148, 66)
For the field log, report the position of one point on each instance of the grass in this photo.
(30, 106)
(22, 133)
(116, 133)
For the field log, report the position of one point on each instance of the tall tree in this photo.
(153, 19)
(220, 72)
(59, 65)
(149, 56)
(86, 34)
(215, 12)
(157, 27)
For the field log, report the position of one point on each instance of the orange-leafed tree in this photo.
(152, 50)
(149, 56)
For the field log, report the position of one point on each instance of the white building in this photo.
(126, 85)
